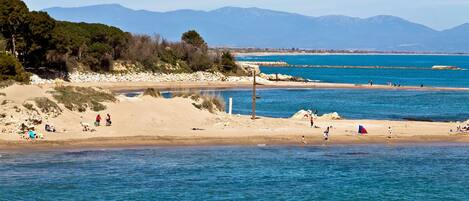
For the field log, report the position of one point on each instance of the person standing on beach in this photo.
(311, 120)
(326, 134)
(303, 140)
(389, 132)
(108, 120)
(98, 120)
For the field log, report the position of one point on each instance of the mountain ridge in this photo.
(257, 27)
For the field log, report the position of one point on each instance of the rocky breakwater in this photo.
(81, 77)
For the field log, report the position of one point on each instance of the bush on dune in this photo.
(82, 98)
(212, 103)
(152, 92)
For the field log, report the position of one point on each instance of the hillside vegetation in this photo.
(34, 39)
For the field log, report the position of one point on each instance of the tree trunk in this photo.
(13, 41)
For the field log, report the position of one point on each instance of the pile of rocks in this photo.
(306, 114)
(80, 77)
(144, 77)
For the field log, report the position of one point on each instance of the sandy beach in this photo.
(132, 86)
(149, 121)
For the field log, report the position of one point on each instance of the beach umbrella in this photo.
(362, 130)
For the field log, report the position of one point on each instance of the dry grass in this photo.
(206, 101)
(82, 98)
(6, 83)
(47, 106)
(152, 92)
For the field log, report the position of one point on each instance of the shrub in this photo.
(81, 98)
(47, 106)
(152, 92)
(6, 83)
(210, 102)
(11, 69)
(28, 106)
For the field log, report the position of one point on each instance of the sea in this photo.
(406, 70)
(338, 172)
(392, 104)
(335, 172)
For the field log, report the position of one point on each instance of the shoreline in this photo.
(136, 86)
(247, 54)
(251, 141)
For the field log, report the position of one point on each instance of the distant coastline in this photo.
(280, 52)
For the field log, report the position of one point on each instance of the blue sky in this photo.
(437, 14)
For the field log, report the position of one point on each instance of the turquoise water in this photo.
(368, 172)
(408, 77)
(355, 104)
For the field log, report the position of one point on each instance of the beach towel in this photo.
(362, 130)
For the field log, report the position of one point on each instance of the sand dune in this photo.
(149, 121)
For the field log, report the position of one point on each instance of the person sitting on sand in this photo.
(108, 120)
(50, 128)
(85, 126)
(303, 140)
(98, 120)
(32, 134)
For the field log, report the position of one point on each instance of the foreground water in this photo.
(365, 172)
(355, 104)
(409, 77)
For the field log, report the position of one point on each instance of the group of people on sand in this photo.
(327, 131)
(32, 135)
(464, 129)
(97, 123)
(313, 125)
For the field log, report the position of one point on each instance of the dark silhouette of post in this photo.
(254, 95)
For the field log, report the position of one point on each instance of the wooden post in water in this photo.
(254, 94)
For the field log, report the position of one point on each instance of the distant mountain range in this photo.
(254, 27)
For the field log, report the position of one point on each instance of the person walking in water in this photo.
(98, 120)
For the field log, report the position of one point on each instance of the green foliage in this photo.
(95, 45)
(11, 69)
(228, 62)
(14, 16)
(81, 98)
(193, 38)
(39, 40)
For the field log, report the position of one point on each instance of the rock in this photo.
(331, 116)
(306, 114)
(302, 114)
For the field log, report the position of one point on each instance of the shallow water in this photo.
(405, 77)
(359, 172)
(355, 104)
